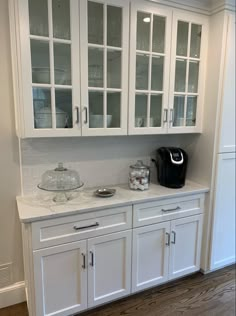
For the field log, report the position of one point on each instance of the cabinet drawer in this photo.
(168, 209)
(82, 226)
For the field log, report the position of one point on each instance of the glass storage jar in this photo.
(139, 176)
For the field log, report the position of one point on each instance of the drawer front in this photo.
(71, 228)
(164, 210)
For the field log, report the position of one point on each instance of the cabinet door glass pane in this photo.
(193, 76)
(95, 67)
(114, 26)
(62, 64)
(158, 39)
(182, 39)
(178, 119)
(141, 110)
(61, 18)
(142, 65)
(180, 75)
(95, 23)
(42, 107)
(191, 111)
(157, 73)
(96, 109)
(195, 44)
(38, 17)
(63, 98)
(143, 31)
(40, 61)
(113, 69)
(155, 110)
(113, 109)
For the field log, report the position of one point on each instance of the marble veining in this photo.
(41, 206)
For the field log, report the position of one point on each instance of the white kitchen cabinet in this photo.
(70, 62)
(104, 29)
(109, 267)
(150, 255)
(227, 114)
(60, 278)
(187, 78)
(223, 235)
(185, 246)
(149, 68)
(167, 70)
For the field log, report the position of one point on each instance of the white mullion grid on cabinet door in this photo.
(105, 65)
(149, 71)
(83, 6)
(51, 57)
(187, 72)
(75, 62)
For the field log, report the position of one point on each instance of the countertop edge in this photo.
(28, 219)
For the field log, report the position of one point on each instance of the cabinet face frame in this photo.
(122, 130)
(190, 18)
(23, 70)
(158, 11)
(38, 257)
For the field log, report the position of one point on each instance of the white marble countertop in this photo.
(41, 206)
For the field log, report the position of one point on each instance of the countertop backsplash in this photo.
(100, 161)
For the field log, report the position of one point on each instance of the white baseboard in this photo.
(12, 295)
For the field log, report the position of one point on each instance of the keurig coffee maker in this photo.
(171, 165)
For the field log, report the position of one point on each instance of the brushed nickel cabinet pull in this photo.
(86, 115)
(174, 234)
(92, 259)
(165, 116)
(77, 115)
(168, 239)
(171, 209)
(86, 227)
(83, 265)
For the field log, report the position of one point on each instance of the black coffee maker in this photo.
(171, 163)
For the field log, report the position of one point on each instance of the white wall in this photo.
(10, 232)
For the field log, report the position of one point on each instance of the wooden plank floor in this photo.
(196, 295)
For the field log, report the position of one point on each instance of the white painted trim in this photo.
(13, 294)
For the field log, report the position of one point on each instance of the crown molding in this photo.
(206, 7)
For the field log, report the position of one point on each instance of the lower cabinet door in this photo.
(109, 267)
(60, 279)
(185, 246)
(150, 255)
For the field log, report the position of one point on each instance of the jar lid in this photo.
(139, 165)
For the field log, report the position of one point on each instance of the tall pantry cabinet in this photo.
(223, 221)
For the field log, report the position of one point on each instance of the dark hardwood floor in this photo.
(197, 295)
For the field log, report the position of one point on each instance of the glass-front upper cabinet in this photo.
(104, 66)
(187, 73)
(50, 67)
(149, 69)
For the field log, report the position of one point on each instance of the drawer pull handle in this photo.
(92, 259)
(171, 209)
(85, 227)
(174, 234)
(168, 239)
(83, 265)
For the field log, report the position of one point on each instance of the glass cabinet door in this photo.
(52, 38)
(149, 69)
(106, 51)
(186, 91)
